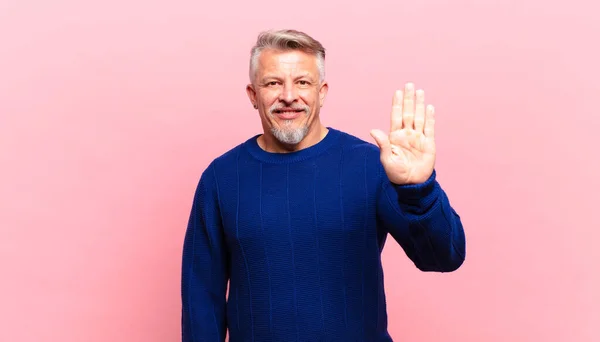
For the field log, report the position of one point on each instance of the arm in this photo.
(413, 208)
(420, 218)
(204, 268)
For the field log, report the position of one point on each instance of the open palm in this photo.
(408, 152)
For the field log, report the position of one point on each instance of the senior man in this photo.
(295, 218)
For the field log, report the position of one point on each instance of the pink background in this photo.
(110, 110)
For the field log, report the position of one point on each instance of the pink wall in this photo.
(110, 111)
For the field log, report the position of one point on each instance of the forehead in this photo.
(272, 61)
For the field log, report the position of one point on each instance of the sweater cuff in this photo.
(416, 199)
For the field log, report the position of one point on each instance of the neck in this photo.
(269, 143)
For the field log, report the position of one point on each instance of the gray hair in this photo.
(285, 40)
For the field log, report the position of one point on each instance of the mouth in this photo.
(288, 113)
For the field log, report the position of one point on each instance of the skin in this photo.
(289, 79)
(408, 151)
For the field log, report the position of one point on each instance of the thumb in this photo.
(382, 141)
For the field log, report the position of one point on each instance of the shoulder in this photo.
(229, 158)
(360, 152)
(352, 143)
(222, 164)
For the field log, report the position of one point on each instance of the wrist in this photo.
(421, 195)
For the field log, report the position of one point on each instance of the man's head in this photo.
(287, 83)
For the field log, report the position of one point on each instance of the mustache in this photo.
(282, 107)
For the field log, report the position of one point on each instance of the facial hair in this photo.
(288, 134)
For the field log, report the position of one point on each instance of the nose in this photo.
(289, 93)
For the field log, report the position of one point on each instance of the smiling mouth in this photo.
(287, 111)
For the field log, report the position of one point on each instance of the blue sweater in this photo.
(299, 237)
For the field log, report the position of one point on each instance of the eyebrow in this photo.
(274, 77)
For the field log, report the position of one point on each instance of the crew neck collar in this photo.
(290, 157)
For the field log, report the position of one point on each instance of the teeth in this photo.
(287, 111)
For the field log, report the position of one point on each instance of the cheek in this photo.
(310, 98)
(268, 96)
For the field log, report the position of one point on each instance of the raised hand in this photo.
(408, 152)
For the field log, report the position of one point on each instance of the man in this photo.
(295, 218)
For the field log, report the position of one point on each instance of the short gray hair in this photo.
(285, 40)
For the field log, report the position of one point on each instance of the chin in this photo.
(290, 135)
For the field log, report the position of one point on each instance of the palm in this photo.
(408, 152)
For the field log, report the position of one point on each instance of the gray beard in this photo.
(290, 136)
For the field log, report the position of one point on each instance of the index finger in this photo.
(396, 119)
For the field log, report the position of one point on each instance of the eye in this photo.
(272, 83)
(303, 82)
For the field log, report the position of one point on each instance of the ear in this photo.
(251, 95)
(323, 93)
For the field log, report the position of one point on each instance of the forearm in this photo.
(203, 298)
(202, 314)
(427, 226)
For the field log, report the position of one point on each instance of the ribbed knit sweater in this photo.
(299, 237)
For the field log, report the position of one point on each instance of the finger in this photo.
(429, 121)
(396, 111)
(382, 140)
(420, 111)
(408, 106)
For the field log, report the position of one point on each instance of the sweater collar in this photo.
(257, 152)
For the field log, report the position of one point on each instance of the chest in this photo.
(302, 203)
